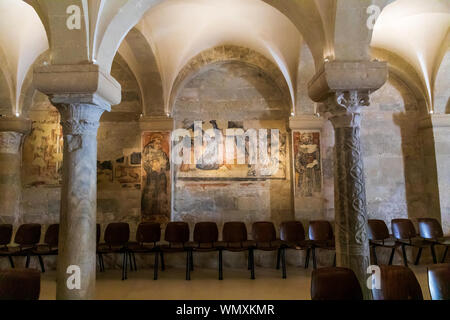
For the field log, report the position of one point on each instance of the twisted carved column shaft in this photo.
(352, 247)
(77, 242)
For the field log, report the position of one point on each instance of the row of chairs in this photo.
(395, 283)
(404, 235)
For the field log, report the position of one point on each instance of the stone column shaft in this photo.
(352, 246)
(12, 133)
(77, 241)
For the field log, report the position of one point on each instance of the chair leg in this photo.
(445, 255)
(124, 265)
(314, 258)
(11, 261)
(220, 265)
(163, 265)
(278, 258)
(27, 262)
(134, 261)
(191, 260)
(103, 262)
(252, 264)
(188, 265)
(374, 253)
(41, 262)
(391, 258)
(405, 260)
(334, 260)
(130, 258)
(308, 253)
(155, 271)
(249, 261)
(419, 255)
(433, 253)
(283, 262)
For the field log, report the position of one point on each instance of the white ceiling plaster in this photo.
(418, 32)
(22, 40)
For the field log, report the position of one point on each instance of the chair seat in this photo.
(328, 245)
(106, 248)
(236, 246)
(15, 250)
(142, 247)
(444, 241)
(203, 247)
(269, 246)
(173, 247)
(301, 245)
(416, 242)
(43, 249)
(390, 243)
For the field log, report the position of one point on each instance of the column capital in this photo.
(85, 83)
(15, 124)
(343, 108)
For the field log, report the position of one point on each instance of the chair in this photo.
(430, 229)
(234, 239)
(206, 236)
(100, 257)
(335, 283)
(50, 246)
(439, 281)
(292, 234)
(379, 237)
(265, 237)
(5, 239)
(177, 236)
(20, 284)
(148, 234)
(320, 237)
(397, 283)
(27, 237)
(117, 235)
(405, 234)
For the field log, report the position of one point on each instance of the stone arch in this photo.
(228, 53)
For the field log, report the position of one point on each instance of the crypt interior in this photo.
(92, 90)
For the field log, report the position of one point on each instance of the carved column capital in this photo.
(343, 108)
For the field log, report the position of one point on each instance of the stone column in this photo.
(81, 93)
(12, 133)
(344, 88)
(352, 244)
(77, 243)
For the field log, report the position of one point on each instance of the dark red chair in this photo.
(265, 237)
(117, 235)
(235, 239)
(5, 239)
(406, 235)
(397, 283)
(292, 234)
(379, 237)
(439, 281)
(177, 236)
(148, 235)
(20, 284)
(335, 283)
(320, 237)
(50, 245)
(206, 236)
(27, 237)
(430, 229)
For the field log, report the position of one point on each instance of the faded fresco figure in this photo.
(155, 200)
(307, 165)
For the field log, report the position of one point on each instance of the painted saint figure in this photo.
(307, 166)
(155, 201)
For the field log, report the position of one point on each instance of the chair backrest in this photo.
(28, 234)
(430, 228)
(52, 235)
(5, 234)
(234, 232)
(20, 284)
(397, 283)
(403, 229)
(335, 283)
(148, 232)
(117, 233)
(378, 230)
(439, 281)
(292, 231)
(206, 232)
(320, 230)
(177, 232)
(264, 231)
(98, 232)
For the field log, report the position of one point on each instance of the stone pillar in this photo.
(352, 244)
(81, 93)
(344, 88)
(12, 133)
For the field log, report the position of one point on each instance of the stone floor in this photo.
(204, 285)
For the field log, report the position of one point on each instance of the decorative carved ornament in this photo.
(10, 142)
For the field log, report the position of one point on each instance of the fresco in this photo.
(43, 152)
(231, 169)
(124, 172)
(155, 201)
(307, 163)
